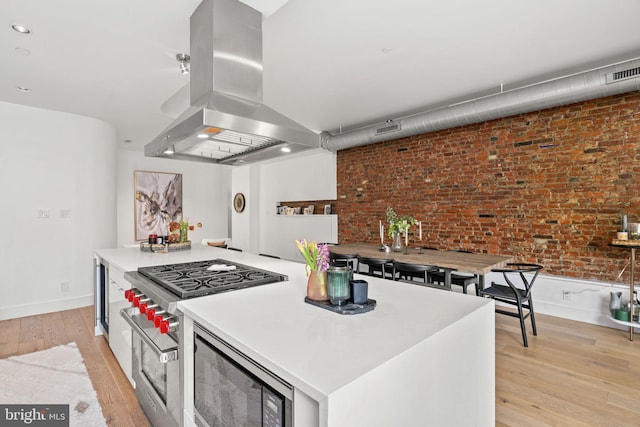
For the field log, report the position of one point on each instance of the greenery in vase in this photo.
(179, 231)
(399, 224)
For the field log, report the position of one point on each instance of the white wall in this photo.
(205, 189)
(310, 175)
(59, 162)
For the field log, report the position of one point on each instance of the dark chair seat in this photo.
(234, 249)
(343, 260)
(463, 280)
(409, 272)
(376, 266)
(514, 295)
(270, 256)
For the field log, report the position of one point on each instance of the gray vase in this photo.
(616, 302)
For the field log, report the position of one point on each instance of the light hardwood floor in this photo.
(35, 333)
(572, 374)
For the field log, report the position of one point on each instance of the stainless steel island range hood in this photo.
(227, 122)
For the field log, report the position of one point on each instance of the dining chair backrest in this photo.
(374, 264)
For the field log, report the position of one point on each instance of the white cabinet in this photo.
(119, 329)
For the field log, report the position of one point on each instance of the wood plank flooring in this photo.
(35, 333)
(572, 374)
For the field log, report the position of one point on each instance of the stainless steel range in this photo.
(156, 323)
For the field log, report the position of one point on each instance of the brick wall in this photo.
(546, 187)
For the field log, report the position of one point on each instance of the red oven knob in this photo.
(146, 307)
(136, 301)
(130, 296)
(152, 313)
(126, 294)
(166, 326)
(157, 321)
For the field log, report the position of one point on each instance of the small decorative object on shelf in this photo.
(317, 263)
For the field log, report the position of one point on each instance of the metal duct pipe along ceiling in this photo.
(611, 80)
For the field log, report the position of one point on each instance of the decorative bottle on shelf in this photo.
(623, 234)
(635, 307)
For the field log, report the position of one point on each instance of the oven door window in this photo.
(225, 395)
(154, 370)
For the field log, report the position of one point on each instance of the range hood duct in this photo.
(227, 122)
(611, 80)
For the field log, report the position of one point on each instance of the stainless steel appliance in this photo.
(158, 338)
(232, 390)
(228, 122)
(102, 296)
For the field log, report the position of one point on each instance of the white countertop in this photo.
(322, 353)
(316, 350)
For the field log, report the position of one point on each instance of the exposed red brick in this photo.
(546, 187)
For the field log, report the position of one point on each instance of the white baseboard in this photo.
(575, 299)
(45, 307)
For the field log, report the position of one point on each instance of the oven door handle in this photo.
(164, 356)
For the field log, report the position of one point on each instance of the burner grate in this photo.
(192, 279)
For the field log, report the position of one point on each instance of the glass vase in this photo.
(184, 233)
(397, 242)
(317, 286)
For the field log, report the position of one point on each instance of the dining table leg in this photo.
(480, 284)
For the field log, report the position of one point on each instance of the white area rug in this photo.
(54, 376)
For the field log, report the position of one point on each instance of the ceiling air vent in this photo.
(631, 73)
(388, 127)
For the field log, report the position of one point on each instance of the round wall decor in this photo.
(238, 202)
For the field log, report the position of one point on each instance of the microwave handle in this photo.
(164, 356)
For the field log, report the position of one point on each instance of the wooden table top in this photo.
(461, 261)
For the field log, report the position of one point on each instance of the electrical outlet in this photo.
(567, 295)
(65, 213)
(43, 213)
(64, 287)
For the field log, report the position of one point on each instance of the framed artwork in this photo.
(157, 202)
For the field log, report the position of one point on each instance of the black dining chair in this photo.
(270, 256)
(458, 279)
(343, 260)
(408, 272)
(234, 249)
(375, 266)
(514, 295)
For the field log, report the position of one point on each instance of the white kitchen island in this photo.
(423, 357)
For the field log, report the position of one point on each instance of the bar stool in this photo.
(343, 260)
(411, 271)
(376, 266)
(513, 295)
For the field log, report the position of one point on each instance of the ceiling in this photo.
(329, 64)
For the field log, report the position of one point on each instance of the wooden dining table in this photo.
(448, 261)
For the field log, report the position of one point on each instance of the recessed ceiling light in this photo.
(203, 136)
(19, 28)
(285, 149)
(22, 51)
(169, 150)
(23, 89)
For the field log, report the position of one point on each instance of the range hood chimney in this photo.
(227, 122)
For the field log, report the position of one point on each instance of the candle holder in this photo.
(406, 249)
(420, 249)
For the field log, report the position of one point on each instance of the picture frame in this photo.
(327, 209)
(157, 199)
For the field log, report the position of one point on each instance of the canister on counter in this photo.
(338, 285)
(359, 291)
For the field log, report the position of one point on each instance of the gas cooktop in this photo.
(194, 279)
